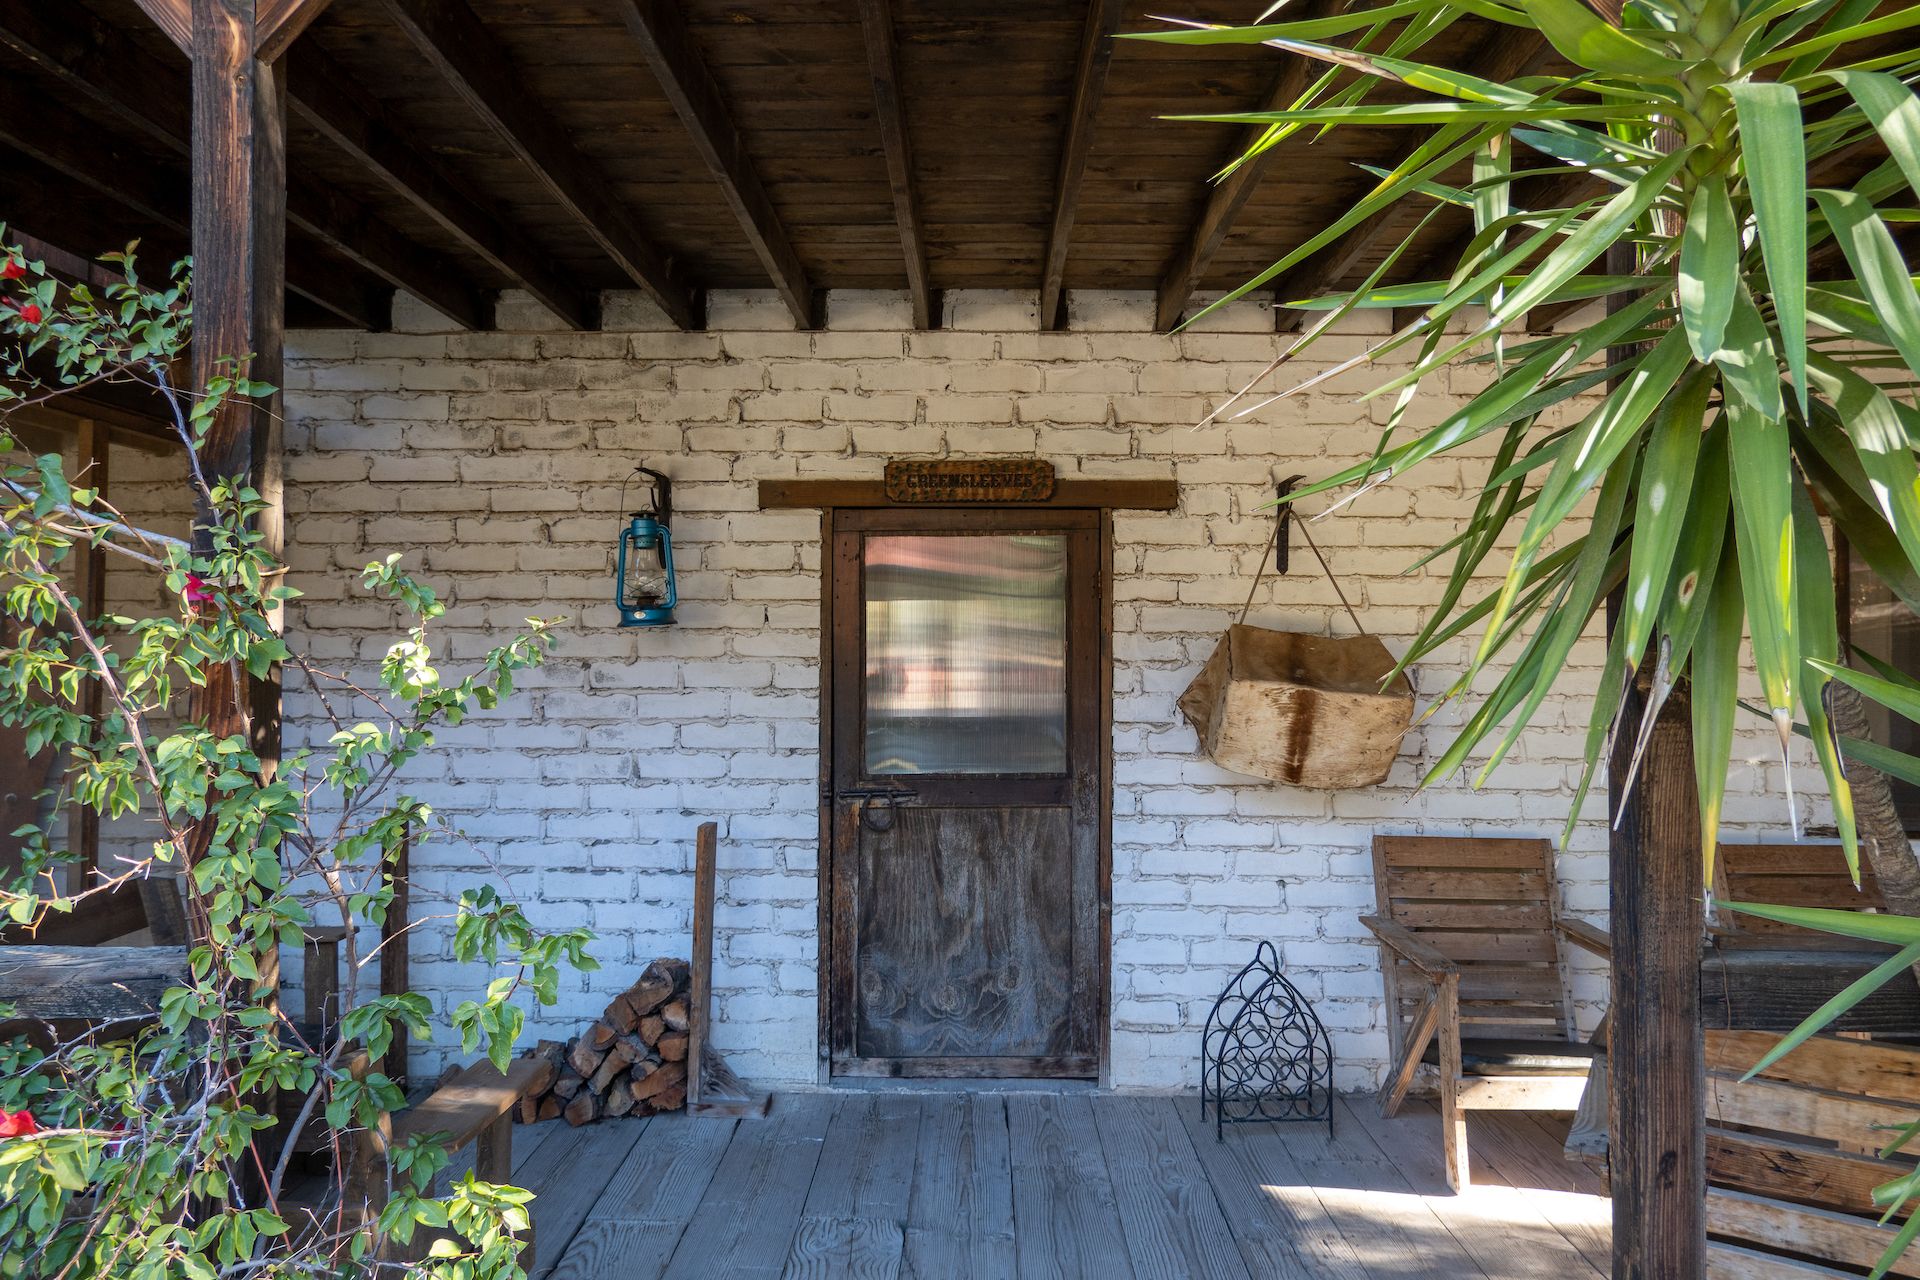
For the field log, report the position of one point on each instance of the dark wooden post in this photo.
(239, 262)
(84, 821)
(1655, 1059)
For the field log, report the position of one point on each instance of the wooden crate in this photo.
(1792, 1155)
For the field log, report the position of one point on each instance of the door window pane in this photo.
(966, 653)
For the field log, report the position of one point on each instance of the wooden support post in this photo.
(239, 253)
(700, 962)
(83, 836)
(393, 954)
(1654, 1055)
(1655, 1068)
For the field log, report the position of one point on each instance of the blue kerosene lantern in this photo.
(645, 589)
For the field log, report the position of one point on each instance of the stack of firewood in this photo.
(633, 1061)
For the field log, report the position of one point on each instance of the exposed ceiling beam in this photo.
(876, 24)
(156, 194)
(1229, 196)
(683, 76)
(173, 17)
(1089, 81)
(348, 228)
(278, 23)
(318, 92)
(1501, 57)
(93, 59)
(460, 48)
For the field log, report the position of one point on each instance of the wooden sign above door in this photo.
(990, 480)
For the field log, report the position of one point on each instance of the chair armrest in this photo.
(1420, 955)
(1586, 936)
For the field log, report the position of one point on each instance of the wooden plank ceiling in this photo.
(455, 148)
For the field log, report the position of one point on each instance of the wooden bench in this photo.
(475, 1106)
(1792, 1155)
(1473, 958)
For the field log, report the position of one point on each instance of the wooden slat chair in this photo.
(1791, 1155)
(1473, 957)
(1796, 875)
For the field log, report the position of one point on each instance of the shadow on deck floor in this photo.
(940, 1186)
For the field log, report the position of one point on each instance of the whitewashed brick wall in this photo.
(494, 461)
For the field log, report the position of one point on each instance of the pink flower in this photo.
(17, 1124)
(31, 313)
(12, 269)
(198, 594)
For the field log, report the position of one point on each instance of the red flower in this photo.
(17, 1124)
(198, 594)
(31, 313)
(12, 269)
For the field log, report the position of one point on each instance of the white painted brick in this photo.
(494, 460)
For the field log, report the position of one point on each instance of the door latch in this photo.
(870, 803)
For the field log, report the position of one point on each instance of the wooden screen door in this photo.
(965, 802)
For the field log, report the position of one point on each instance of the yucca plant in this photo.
(1752, 396)
(1751, 372)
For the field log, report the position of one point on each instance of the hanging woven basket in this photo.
(1301, 709)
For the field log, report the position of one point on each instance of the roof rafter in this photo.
(1089, 81)
(684, 77)
(1229, 196)
(317, 93)
(467, 56)
(92, 59)
(278, 23)
(156, 193)
(1501, 57)
(876, 26)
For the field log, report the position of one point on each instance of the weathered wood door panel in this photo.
(965, 799)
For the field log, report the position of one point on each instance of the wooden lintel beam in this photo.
(876, 26)
(1089, 82)
(1229, 196)
(1134, 495)
(683, 76)
(318, 92)
(1501, 57)
(93, 59)
(458, 45)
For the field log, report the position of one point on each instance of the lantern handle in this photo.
(662, 493)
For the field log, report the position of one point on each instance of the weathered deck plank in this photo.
(1395, 1234)
(919, 1186)
(1279, 1225)
(1505, 1234)
(1173, 1222)
(1510, 1144)
(1067, 1223)
(855, 1218)
(632, 1230)
(569, 1171)
(747, 1223)
(961, 1218)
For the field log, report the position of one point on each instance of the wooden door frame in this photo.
(830, 572)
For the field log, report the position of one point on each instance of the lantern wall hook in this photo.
(644, 588)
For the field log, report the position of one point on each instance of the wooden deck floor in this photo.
(953, 1186)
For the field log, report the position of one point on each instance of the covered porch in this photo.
(891, 1183)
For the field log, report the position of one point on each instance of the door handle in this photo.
(869, 802)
